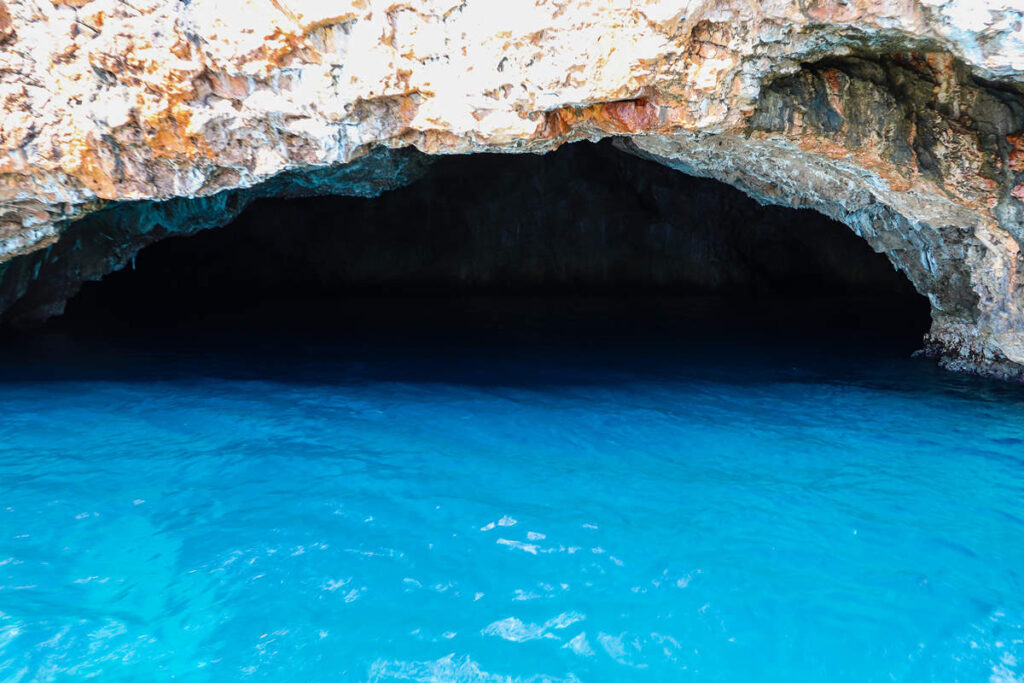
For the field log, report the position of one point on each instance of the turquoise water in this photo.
(616, 498)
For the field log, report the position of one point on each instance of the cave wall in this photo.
(942, 199)
(584, 219)
(901, 119)
(37, 285)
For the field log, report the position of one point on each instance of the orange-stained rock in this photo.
(1016, 155)
(6, 25)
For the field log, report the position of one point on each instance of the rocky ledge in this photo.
(129, 120)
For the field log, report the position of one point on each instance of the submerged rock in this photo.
(128, 121)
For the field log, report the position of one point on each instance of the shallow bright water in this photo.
(612, 498)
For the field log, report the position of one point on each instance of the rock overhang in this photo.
(901, 119)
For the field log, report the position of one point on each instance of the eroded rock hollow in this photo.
(126, 122)
(584, 222)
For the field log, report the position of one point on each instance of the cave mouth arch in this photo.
(586, 221)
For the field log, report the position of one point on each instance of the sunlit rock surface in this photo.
(902, 118)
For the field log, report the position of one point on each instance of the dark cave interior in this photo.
(584, 222)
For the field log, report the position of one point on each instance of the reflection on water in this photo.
(497, 491)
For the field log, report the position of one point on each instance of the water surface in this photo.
(507, 492)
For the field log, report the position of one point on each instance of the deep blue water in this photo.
(514, 497)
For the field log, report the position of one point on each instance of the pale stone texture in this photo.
(901, 118)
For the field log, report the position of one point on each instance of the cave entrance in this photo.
(584, 233)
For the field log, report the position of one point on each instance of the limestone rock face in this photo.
(902, 118)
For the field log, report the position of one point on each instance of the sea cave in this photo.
(522, 341)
